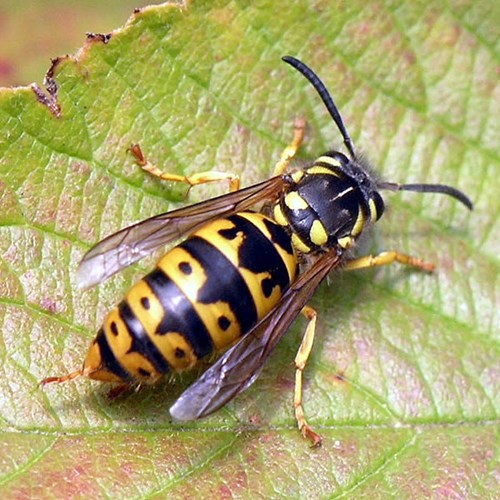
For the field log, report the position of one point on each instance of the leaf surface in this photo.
(403, 382)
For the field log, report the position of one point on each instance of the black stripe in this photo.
(258, 253)
(180, 315)
(279, 236)
(141, 342)
(224, 282)
(109, 361)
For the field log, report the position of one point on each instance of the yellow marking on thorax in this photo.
(317, 233)
(294, 201)
(359, 224)
(329, 161)
(279, 217)
(346, 242)
(373, 210)
(320, 169)
(297, 175)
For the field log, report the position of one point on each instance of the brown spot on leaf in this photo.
(48, 97)
(80, 167)
(99, 37)
(49, 304)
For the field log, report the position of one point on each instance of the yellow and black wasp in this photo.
(239, 278)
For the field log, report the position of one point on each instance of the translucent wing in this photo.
(131, 244)
(239, 367)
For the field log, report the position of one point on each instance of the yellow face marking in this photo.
(359, 224)
(329, 161)
(346, 242)
(319, 169)
(299, 244)
(318, 234)
(294, 201)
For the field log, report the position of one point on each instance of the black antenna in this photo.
(325, 97)
(335, 114)
(429, 188)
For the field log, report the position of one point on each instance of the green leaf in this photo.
(403, 382)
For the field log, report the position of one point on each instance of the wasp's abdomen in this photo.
(203, 295)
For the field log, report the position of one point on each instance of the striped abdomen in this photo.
(203, 295)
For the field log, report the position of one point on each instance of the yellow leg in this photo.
(300, 364)
(290, 151)
(384, 258)
(192, 180)
(214, 176)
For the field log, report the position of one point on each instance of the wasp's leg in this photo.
(385, 258)
(192, 180)
(300, 364)
(291, 150)
(65, 378)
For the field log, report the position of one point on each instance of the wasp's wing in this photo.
(238, 368)
(131, 244)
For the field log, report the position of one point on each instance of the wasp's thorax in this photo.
(328, 204)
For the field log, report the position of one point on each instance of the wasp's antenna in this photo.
(429, 188)
(325, 97)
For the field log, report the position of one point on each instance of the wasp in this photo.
(240, 278)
